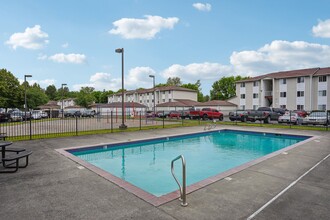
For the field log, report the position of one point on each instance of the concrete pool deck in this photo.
(55, 187)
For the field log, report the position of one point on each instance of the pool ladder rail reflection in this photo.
(210, 125)
(182, 188)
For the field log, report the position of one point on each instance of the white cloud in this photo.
(202, 7)
(281, 55)
(197, 71)
(136, 78)
(322, 29)
(132, 28)
(32, 38)
(67, 58)
(43, 83)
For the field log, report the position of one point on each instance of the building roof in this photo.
(216, 103)
(190, 103)
(50, 105)
(290, 74)
(162, 88)
(118, 105)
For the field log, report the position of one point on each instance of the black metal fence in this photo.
(28, 127)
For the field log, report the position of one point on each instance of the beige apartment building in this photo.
(305, 89)
(158, 95)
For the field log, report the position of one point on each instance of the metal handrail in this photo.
(183, 187)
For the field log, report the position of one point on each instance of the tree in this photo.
(225, 88)
(85, 97)
(175, 81)
(35, 96)
(196, 86)
(11, 93)
(51, 92)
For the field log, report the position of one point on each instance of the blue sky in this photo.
(74, 41)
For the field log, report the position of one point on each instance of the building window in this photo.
(322, 78)
(163, 100)
(163, 92)
(242, 107)
(323, 93)
(301, 79)
(282, 81)
(242, 96)
(148, 101)
(147, 93)
(300, 93)
(242, 85)
(169, 92)
(283, 106)
(255, 107)
(282, 94)
(256, 83)
(255, 95)
(152, 100)
(321, 107)
(300, 107)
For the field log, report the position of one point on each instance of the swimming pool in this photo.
(146, 164)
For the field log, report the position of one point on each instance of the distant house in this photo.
(183, 104)
(159, 95)
(116, 108)
(66, 103)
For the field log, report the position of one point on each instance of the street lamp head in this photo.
(27, 76)
(64, 84)
(119, 50)
(152, 76)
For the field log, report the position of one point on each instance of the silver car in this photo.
(317, 118)
(292, 117)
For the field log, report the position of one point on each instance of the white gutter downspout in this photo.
(311, 89)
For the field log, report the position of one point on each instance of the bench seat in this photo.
(16, 158)
(14, 149)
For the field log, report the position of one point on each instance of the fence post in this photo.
(30, 126)
(328, 121)
(163, 119)
(236, 117)
(182, 117)
(140, 120)
(76, 126)
(290, 119)
(111, 121)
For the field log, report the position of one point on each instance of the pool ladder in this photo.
(183, 187)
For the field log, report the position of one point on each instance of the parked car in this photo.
(238, 115)
(43, 114)
(4, 116)
(206, 113)
(72, 113)
(88, 113)
(35, 115)
(317, 118)
(162, 114)
(174, 114)
(265, 114)
(291, 117)
(15, 117)
(150, 114)
(301, 113)
(25, 115)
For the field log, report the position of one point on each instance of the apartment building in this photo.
(304, 89)
(158, 95)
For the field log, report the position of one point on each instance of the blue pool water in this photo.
(147, 164)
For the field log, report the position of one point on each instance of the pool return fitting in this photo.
(183, 187)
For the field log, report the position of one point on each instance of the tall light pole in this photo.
(121, 50)
(25, 88)
(153, 76)
(63, 84)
